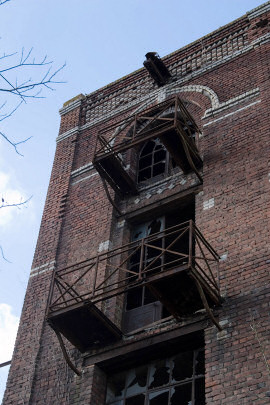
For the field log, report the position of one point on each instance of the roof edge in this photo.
(254, 13)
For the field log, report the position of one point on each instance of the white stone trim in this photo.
(121, 223)
(67, 134)
(208, 204)
(223, 257)
(264, 8)
(161, 95)
(197, 88)
(207, 91)
(84, 178)
(83, 169)
(232, 102)
(104, 246)
(175, 177)
(72, 105)
(43, 265)
(42, 269)
(232, 113)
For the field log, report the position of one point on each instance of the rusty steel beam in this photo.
(118, 280)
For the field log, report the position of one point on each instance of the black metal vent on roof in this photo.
(156, 68)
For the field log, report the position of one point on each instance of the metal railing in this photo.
(150, 123)
(163, 254)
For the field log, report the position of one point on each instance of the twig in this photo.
(5, 116)
(14, 144)
(3, 256)
(18, 205)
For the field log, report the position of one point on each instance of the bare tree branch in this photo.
(14, 144)
(7, 115)
(7, 55)
(4, 204)
(22, 77)
(3, 2)
(22, 88)
(3, 256)
(16, 82)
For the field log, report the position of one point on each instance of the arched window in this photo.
(154, 160)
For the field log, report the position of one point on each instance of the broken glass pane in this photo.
(159, 145)
(182, 366)
(159, 374)
(159, 398)
(159, 155)
(148, 148)
(137, 400)
(116, 385)
(154, 226)
(199, 363)
(136, 380)
(182, 395)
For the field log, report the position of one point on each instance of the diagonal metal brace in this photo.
(206, 306)
(64, 351)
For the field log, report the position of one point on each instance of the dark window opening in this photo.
(154, 160)
(141, 306)
(177, 380)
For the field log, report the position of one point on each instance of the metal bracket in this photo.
(64, 351)
(206, 306)
(109, 196)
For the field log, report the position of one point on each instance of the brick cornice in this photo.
(74, 103)
(137, 74)
(169, 89)
(264, 8)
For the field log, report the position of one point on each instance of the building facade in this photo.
(150, 280)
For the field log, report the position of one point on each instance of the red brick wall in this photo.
(32, 321)
(232, 211)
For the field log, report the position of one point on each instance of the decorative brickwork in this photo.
(87, 238)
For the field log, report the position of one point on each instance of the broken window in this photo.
(154, 160)
(151, 258)
(141, 306)
(178, 380)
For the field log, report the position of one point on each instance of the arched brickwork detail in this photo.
(202, 97)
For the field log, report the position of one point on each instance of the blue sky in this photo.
(100, 41)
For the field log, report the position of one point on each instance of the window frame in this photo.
(168, 387)
(167, 161)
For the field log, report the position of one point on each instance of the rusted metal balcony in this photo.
(178, 266)
(169, 121)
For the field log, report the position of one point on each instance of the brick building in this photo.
(150, 280)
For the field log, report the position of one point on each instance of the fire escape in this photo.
(181, 275)
(182, 271)
(169, 121)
